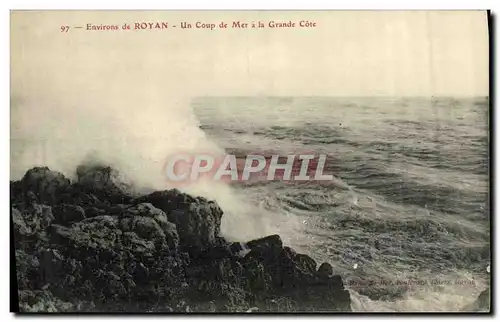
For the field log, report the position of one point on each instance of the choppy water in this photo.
(411, 231)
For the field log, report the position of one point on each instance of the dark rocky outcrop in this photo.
(103, 182)
(44, 184)
(197, 219)
(67, 214)
(91, 245)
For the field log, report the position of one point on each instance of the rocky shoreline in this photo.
(93, 246)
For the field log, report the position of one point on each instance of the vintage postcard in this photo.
(250, 161)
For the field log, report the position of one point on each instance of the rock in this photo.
(145, 228)
(272, 265)
(274, 269)
(30, 199)
(16, 193)
(104, 182)
(238, 248)
(322, 298)
(149, 211)
(47, 185)
(77, 195)
(170, 200)
(39, 217)
(267, 250)
(290, 252)
(272, 241)
(136, 245)
(305, 263)
(297, 271)
(67, 214)
(197, 220)
(21, 228)
(29, 223)
(99, 249)
(123, 258)
(91, 211)
(325, 271)
(42, 301)
(214, 253)
(59, 272)
(27, 266)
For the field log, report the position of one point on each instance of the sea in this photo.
(406, 222)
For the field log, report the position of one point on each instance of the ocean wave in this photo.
(416, 204)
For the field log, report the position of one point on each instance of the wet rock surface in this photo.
(90, 245)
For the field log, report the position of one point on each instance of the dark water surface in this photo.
(412, 230)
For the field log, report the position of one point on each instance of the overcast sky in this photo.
(349, 53)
